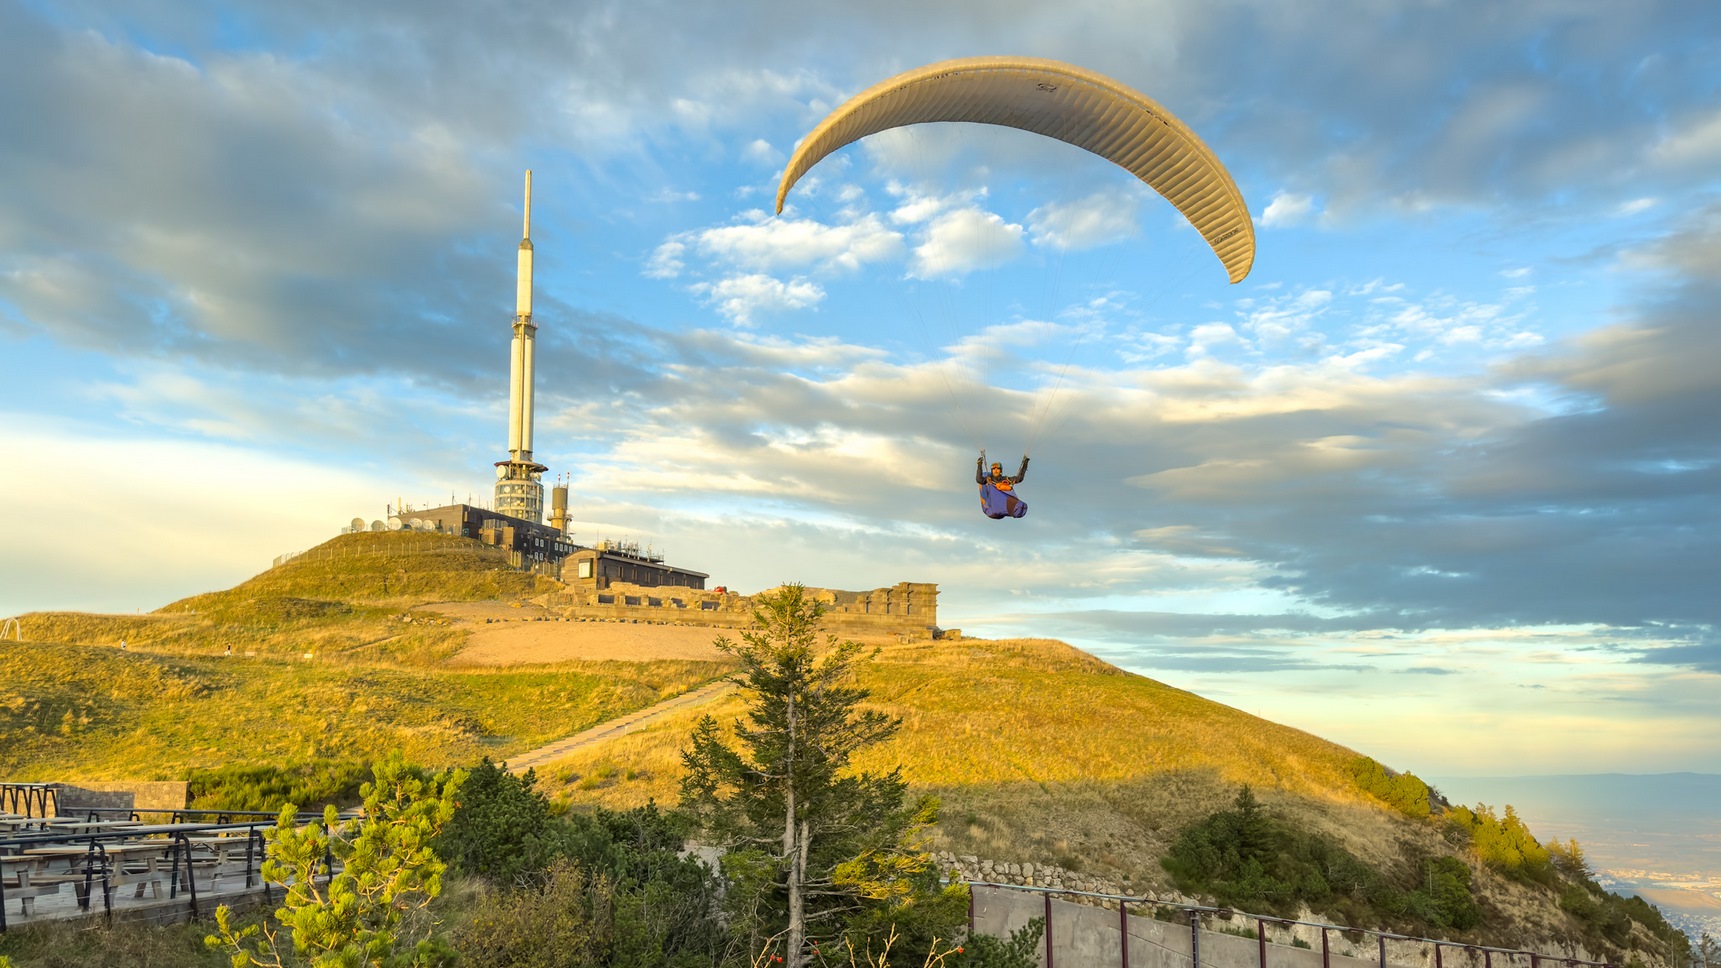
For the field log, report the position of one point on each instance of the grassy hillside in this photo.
(387, 566)
(1038, 751)
(1042, 752)
(76, 712)
(342, 599)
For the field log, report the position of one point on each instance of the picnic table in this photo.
(38, 871)
(88, 826)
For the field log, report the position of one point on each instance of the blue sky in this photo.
(1437, 481)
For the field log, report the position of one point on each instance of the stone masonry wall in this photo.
(906, 608)
(122, 795)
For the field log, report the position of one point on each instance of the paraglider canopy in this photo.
(1061, 101)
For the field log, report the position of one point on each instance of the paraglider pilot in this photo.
(996, 497)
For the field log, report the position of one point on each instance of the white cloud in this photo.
(666, 262)
(1696, 144)
(1210, 339)
(965, 240)
(1635, 206)
(1287, 209)
(767, 244)
(762, 152)
(742, 298)
(1099, 219)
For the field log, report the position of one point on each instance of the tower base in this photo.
(519, 492)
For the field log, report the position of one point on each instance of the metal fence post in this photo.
(1382, 939)
(1195, 939)
(1326, 951)
(1048, 897)
(1261, 937)
(1437, 963)
(1123, 931)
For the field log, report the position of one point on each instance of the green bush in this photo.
(502, 828)
(308, 785)
(1504, 843)
(1247, 859)
(1450, 903)
(1403, 792)
(1022, 950)
(565, 922)
(622, 893)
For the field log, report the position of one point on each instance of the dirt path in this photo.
(615, 727)
(503, 635)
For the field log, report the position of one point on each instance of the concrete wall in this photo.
(1090, 936)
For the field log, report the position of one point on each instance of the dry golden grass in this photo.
(75, 712)
(1041, 752)
(344, 598)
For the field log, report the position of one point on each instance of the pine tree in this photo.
(810, 843)
(358, 915)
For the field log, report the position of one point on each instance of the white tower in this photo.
(519, 492)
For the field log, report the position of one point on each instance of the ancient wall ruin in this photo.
(906, 608)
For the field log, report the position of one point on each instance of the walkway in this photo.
(544, 755)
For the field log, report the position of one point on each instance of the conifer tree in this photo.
(358, 914)
(809, 842)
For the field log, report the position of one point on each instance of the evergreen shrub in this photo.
(307, 785)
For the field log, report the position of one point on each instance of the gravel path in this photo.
(616, 727)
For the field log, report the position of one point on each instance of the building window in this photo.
(586, 568)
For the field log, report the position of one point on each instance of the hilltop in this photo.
(1038, 751)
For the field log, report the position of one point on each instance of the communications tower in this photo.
(519, 492)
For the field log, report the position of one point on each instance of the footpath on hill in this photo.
(620, 726)
(503, 634)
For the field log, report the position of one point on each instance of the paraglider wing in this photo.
(1059, 101)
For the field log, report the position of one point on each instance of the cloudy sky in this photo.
(1438, 480)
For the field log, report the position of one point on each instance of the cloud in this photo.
(1099, 219)
(762, 152)
(1696, 143)
(769, 244)
(1287, 209)
(964, 240)
(742, 299)
(667, 261)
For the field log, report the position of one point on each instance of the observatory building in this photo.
(519, 490)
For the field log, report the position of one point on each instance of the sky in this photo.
(1438, 480)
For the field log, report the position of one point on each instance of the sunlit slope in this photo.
(70, 711)
(345, 598)
(1040, 751)
(386, 566)
(1038, 711)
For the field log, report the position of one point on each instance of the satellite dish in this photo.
(378, 526)
(418, 524)
(358, 524)
(395, 524)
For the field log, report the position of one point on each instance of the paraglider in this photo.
(997, 492)
(1062, 101)
(1068, 103)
